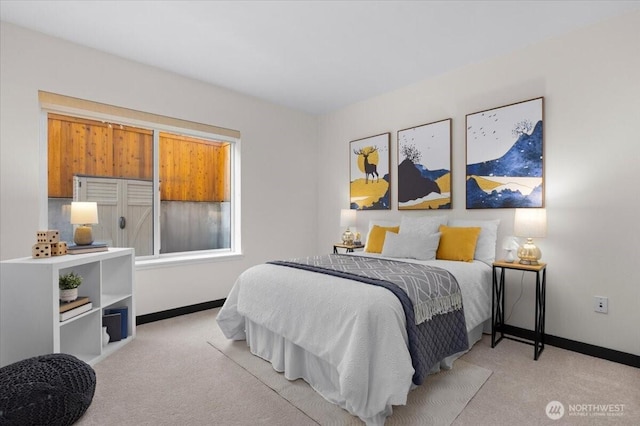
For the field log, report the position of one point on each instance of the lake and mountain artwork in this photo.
(424, 167)
(505, 161)
(369, 173)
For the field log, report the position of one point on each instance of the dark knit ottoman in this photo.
(53, 389)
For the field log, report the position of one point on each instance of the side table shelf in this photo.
(29, 305)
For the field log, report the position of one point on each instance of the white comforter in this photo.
(357, 329)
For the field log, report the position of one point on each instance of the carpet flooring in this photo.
(169, 374)
(438, 401)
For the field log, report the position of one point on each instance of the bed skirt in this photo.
(296, 363)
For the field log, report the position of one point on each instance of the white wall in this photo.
(590, 80)
(291, 203)
(278, 152)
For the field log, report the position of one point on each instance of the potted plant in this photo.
(69, 284)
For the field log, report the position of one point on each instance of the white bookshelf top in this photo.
(72, 259)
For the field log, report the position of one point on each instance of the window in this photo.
(164, 189)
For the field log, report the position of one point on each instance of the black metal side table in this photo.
(497, 304)
(349, 248)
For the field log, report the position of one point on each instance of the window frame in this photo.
(157, 259)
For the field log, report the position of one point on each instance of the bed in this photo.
(349, 340)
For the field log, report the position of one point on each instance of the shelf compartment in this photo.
(79, 338)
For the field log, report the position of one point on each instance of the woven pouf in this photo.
(53, 389)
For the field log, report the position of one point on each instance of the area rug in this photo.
(438, 401)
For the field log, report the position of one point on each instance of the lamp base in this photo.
(83, 236)
(347, 237)
(529, 254)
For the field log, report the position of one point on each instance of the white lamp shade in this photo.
(530, 223)
(347, 217)
(84, 212)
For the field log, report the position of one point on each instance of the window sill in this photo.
(185, 259)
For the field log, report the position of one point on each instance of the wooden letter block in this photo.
(58, 249)
(41, 250)
(50, 236)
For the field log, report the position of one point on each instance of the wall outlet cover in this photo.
(601, 304)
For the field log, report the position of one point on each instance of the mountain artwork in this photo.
(505, 162)
(424, 169)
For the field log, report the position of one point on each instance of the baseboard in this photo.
(171, 313)
(583, 348)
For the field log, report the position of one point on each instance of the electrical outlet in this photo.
(601, 304)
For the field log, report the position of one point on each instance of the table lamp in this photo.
(347, 218)
(84, 214)
(530, 224)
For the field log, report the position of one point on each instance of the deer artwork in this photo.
(369, 169)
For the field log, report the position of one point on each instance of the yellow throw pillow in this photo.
(375, 240)
(457, 243)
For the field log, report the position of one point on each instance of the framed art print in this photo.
(369, 173)
(424, 166)
(505, 162)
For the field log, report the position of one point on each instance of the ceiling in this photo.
(314, 56)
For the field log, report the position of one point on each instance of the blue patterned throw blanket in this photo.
(430, 298)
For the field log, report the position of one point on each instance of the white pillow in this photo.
(486, 245)
(422, 225)
(411, 246)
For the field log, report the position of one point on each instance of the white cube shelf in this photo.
(30, 312)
